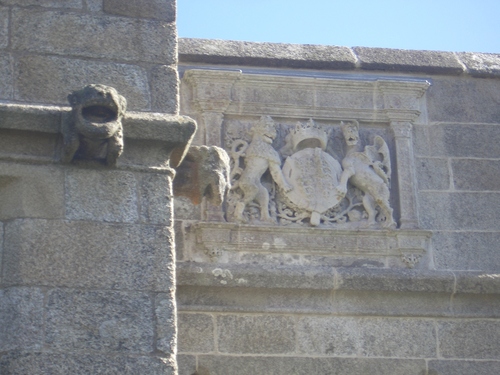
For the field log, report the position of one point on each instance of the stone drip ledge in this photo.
(337, 279)
(169, 131)
(306, 56)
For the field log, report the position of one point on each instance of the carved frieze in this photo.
(308, 182)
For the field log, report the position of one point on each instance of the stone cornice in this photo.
(277, 55)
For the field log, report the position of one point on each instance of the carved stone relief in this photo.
(94, 130)
(309, 182)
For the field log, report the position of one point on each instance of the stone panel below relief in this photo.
(310, 173)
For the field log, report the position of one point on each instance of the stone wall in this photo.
(86, 249)
(51, 47)
(270, 299)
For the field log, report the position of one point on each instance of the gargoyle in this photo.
(94, 129)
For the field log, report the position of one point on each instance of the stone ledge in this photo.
(152, 138)
(210, 51)
(339, 279)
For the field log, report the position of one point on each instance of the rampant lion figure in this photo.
(94, 130)
(368, 170)
(259, 157)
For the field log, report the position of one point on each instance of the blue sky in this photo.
(446, 25)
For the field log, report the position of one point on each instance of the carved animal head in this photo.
(351, 132)
(265, 129)
(97, 111)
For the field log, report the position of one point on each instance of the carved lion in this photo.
(259, 157)
(94, 130)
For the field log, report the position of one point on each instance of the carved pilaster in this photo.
(406, 177)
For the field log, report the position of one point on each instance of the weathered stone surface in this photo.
(88, 254)
(444, 367)
(408, 304)
(164, 88)
(185, 210)
(156, 200)
(39, 119)
(432, 174)
(19, 143)
(254, 300)
(31, 191)
(265, 54)
(103, 37)
(464, 99)
(231, 365)
(394, 280)
(21, 319)
(186, 364)
(6, 76)
(472, 339)
(476, 174)
(461, 140)
(4, 27)
(477, 282)
(76, 4)
(105, 321)
(270, 334)
(481, 64)
(467, 251)
(166, 331)
(102, 195)
(156, 9)
(477, 305)
(94, 6)
(258, 276)
(452, 211)
(196, 333)
(367, 337)
(50, 79)
(437, 62)
(18, 363)
(420, 136)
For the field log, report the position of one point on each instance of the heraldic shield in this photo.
(314, 175)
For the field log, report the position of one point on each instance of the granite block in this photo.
(49, 79)
(164, 10)
(463, 367)
(469, 339)
(464, 99)
(464, 140)
(248, 365)
(4, 26)
(88, 255)
(196, 333)
(101, 37)
(165, 313)
(366, 337)
(432, 174)
(459, 211)
(101, 195)
(270, 334)
(165, 89)
(18, 143)
(476, 175)
(436, 62)
(481, 64)
(31, 191)
(156, 200)
(104, 321)
(21, 319)
(467, 251)
(65, 4)
(186, 364)
(19, 363)
(231, 52)
(6, 76)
